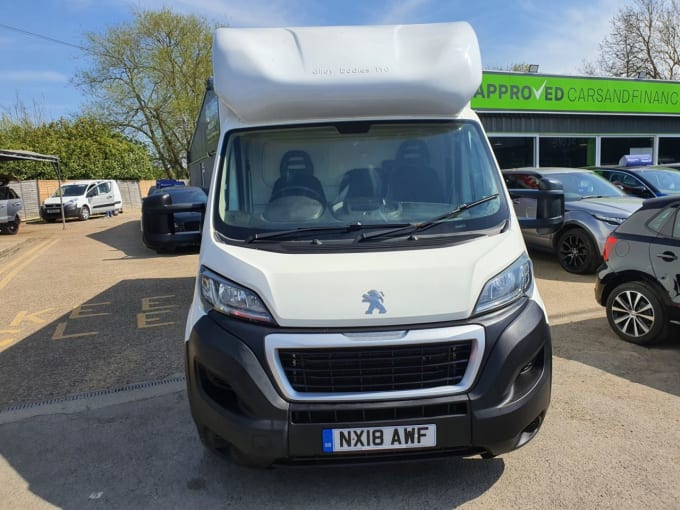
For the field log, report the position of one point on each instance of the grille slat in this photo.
(390, 368)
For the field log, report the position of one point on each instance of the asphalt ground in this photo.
(93, 411)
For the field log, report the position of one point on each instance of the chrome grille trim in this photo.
(472, 332)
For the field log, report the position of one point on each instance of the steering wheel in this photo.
(300, 191)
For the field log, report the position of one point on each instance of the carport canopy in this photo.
(19, 155)
(22, 155)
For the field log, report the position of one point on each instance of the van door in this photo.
(101, 198)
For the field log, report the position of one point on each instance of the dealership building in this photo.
(548, 120)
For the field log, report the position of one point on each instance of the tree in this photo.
(644, 39)
(148, 78)
(87, 149)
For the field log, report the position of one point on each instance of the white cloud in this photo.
(34, 76)
(565, 37)
(252, 13)
(402, 11)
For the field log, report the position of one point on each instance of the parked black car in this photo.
(643, 181)
(178, 228)
(639, 281)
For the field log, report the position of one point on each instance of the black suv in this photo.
(639, 281)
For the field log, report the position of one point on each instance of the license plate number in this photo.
(379, 438)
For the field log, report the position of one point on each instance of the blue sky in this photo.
(556, 35)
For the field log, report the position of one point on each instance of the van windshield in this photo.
(357, 175)
(71, 190)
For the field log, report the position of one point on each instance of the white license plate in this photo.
(379, 438)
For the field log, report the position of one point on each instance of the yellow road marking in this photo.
(150, 319)
(7, 342)
(82, 311)
(15, 267)
(60, 332)
(151, 303)
(24, 316)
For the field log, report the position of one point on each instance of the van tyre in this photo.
(84, 213)
(636, 314)
(577, 253)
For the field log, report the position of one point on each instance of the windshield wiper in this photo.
(418, 227)
(304, 231)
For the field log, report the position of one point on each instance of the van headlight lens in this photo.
(506, 287)
(231, 299)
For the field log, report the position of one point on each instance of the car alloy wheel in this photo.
(85, 213)
(12, 227)
(636, 314)
(576, 252)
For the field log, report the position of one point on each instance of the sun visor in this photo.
(313, 73)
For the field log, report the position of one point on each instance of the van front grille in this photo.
(374, 369)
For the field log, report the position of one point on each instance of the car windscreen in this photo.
(71, 190)
(579, 185)
(666, 181)
(365, 175)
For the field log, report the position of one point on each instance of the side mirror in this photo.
(549, 206)
(158, 224)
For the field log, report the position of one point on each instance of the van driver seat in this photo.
(297, 178)
(412, 179)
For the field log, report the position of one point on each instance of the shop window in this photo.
(513, 152)
(569, 152)
(669, 150)
(614, 148)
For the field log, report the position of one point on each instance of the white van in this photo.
(82, 199)
(364, 292)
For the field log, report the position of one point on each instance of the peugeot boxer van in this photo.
(81, 199)
(363, 291)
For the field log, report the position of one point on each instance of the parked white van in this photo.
(81, 199)
(364, 292)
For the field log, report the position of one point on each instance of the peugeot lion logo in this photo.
(375, 299)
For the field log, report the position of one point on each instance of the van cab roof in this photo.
(268, 75)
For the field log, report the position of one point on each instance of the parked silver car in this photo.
(593, 207)
(10, 207)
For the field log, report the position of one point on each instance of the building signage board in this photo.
(504, 91)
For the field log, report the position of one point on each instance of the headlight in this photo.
(506, 287)
(231, 299)
(610, 219)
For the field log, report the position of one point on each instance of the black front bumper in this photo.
(70, 211)
(232, 394)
